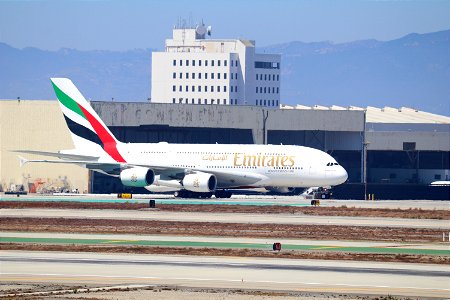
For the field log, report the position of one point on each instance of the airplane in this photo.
(189, 170)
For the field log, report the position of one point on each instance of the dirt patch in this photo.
(303, 210)
(317, 232)
(293, 254)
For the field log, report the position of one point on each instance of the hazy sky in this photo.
(122, 25)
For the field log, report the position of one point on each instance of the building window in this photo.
(174, 63)
(278, 77)
(232, 75)
(181, 75)
(273, 102)
(199, 88)
(225, 100)
(187, 89)
(199, 64)
(212, 101)
(173, 88)
(268, 90)
(273, 90)
(273, 77)
(257, 76)
(257, 90)
(193, 89)
(193, 75)
(269, 77)
(212, 62)
(278, 90)
(218, 64)
(225, 64)
(206, 88)
(265, 76)
(256, 102)
(206, 62)
(187, 100)
(218, 75)
(218, 100)
(181, 62)
(231, 89)
(174, 75)
(218, 88)
(264, 102)
(199, 75)
(224, 75)
(173, 100)
(409, 146)
(235, 76)
(264, 90)
(235, 89)
(199, 100)
(277, 103)
(187, 62)
(180, 100)
(192, 98)
(225, 88)
(193, 64)
(206, 101)
(212, 88)
(212, 75)
(187, 75)
(206, 75)
(180, 88)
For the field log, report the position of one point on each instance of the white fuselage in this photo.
(275, 165)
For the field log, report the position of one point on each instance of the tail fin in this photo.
(87, 129)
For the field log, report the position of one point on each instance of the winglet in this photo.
(22, 160)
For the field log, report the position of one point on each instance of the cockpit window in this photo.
(332, 164)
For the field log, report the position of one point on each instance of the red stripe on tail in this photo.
(109, 143)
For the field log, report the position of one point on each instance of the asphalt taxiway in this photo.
(292, 219)
(226, 272)
(244, 200)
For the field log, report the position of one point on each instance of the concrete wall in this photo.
(35, 125)
(432, 141)
(241, 117)
(391, 136)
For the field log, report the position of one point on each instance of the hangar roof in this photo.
(386, 114)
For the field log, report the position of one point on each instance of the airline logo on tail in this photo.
(82, 120)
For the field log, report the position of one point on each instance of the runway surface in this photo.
(226, 272)
(221, 242)
(245, 200)
(225, 217)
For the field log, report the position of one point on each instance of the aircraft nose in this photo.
(342, 175)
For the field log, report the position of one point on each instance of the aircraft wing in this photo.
(59, 155)
(225, 179)
(228, 179)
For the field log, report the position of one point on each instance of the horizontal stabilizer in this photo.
(22, 160)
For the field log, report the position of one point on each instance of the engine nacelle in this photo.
(280, 189)
(137, 177)
(200, 182)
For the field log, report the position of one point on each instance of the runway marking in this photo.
(69, 276)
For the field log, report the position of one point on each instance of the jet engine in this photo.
(137, 177)
(200, 182)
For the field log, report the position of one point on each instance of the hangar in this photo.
(384, 146)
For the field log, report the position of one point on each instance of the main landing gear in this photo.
(189, 194)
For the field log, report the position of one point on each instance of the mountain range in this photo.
(412, 71)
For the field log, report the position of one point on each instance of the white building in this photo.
(195, 70)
